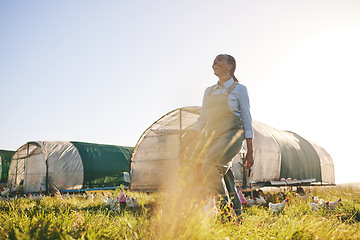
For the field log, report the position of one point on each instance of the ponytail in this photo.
(233, 77)
(231, 60)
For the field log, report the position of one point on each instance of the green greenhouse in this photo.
(5, 159)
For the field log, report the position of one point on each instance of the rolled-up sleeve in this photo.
(244, 104)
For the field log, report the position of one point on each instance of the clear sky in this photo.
(104, 71)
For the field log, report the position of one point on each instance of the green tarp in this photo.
(299, 159)
(104, 165)
(5, 160)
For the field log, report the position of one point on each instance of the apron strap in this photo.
(211, 90)
(231, 88)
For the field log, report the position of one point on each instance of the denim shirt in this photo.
(239, 104)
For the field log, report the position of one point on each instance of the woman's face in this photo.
(221, 66)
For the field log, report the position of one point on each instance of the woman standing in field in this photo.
(225, 116)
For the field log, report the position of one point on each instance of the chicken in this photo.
(315, 199)
(105, 198)
(88, 196)
(132, 202)
(30, 196)
(276, 208)
(37, 197)
(129, 201)
(113, 203)
(250, 202)
(320, 204)
(136, 203)
(91, 196)
(5, 192)
(333, 205)
(260, 201)
(110, 202)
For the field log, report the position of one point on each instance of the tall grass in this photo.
(177, 216)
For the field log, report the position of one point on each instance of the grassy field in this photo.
(177, 216)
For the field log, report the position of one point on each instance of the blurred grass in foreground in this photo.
(177, 216)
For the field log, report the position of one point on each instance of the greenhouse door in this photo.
(35, 170)
(28, 168)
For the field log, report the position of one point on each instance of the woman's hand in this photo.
(249, 160)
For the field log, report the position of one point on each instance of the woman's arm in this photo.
(201, 122)
(249, 158)
(244, 105)
(245, 114)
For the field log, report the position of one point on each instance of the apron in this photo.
(225, 134)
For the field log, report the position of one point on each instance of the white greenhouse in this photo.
(281, 157)
(44, 165)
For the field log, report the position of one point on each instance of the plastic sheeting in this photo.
(267, 157)
(326, 164)
(155, 159)
(65, 166)
(278, 154)
(38, 165)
